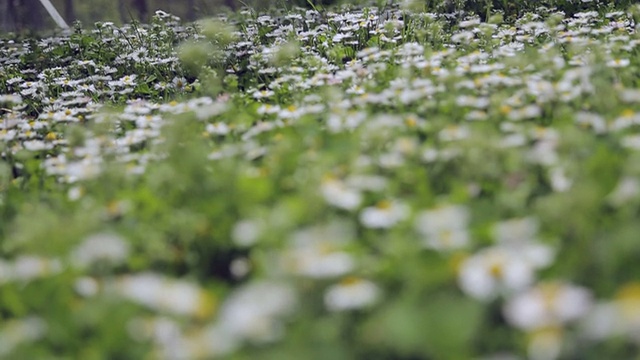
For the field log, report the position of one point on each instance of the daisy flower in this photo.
(444, 228)
(350, 294)
(551, 304)
(385, 214)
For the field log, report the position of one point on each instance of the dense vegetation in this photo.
(392, 181)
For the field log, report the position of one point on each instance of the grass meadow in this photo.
(384, 181)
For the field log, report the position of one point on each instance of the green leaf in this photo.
(151, 78)
(450, 326)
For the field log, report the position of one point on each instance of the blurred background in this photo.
(30, 15)
(24, 15)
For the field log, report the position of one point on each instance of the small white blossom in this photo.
(108, 248)
(444, 228)
(494, 271)
(163, 294)
(351, 294)
(337, 193)
(385, 214)
(547, 305)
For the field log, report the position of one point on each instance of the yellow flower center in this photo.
(627, 113)
(505, 109)
(383, 205)
(350, 280)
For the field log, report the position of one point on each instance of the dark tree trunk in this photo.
(30, 15)
(133, 10)
(20, 15)
(231, 4)
(69, 11)
(122, 9)
(191, 10)
(141, 9)
(7, 15)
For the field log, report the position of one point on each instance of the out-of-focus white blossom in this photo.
(385, 214)
(14, 333)
(550, 304)
(319, 252)
(350, 294)
(255, 311)
(337, 193)
(104, 247)
(164, 294)
(444, 228)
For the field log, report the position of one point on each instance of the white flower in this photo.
(631, 142)
(476, 115)
(544, 153)
(351, 293)
(513, 140)
(10, 99)
(128, 80)
(246, 232)
(628, 188)
(261, 94)
(472, 22)
(240, 267)
(518, 236)
(391, 160)
(367, 182)
(472, 101)
(254, 311)
(617, 317)
(630, 95)
(462, 37)
(218, 128)
(618, 63)
(100, 247)
(179, 83)
(212, 342)
(17, 332)
(494, 271)
(515, 230)
(315, 264)
(28, 267)
(626, 119)
(37, 145)
(453, 133)
(164, 294)
(444, 228)
(318, 252)
(526, 112)
(592, 120)
(338, 194)
(545, 344)
(86, 286)
(385, 214)
(547, 305)
(162, 330)
(268, 109)
(559, 180)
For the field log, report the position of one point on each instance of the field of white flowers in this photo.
(345, 183)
